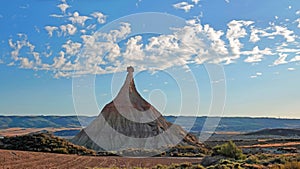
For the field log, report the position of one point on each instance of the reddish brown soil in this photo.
(21, 159)
(22, 131)
(288, 144)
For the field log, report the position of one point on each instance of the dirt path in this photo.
(10, 159)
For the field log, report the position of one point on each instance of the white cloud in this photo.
(1, 61)
(184, 6)
(119, 34)
(291, 69)
(295, 59)
(256, 55)
(258, 73)
(227, 1)
(236, 31)
(271, 33)
(71, 48)
(196, 1)
(287, 34)
(134, 49)
(255, 33)
(59, 61)
(77, 19)
(190, 44)
(56, 16)
(50, 30)
(25, 63)
(217, 43)
(281, 59)
(11, 64)
(298, 21)
(63, 7)
(298, 12)
(37, 58)
(101, 18)
(68, 29)
(279, 31)
(18, 45)
(145, 90)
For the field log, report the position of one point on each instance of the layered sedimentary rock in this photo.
(129, 121)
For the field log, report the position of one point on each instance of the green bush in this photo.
(229, 150)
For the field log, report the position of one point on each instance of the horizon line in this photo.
(254, 117)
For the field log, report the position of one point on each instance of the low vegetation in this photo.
(229, 150)
(43, 142)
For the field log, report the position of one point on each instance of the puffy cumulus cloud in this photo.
(295, 59)
(215, 36)
(254, 36)
(72, 48)
(101, 18)
(134, 49)
(50, 30)
(19, 45)
(63, 7)
(189, 44)
(68, 29)
(59, 61)
(78, 19)
(285, 32)
(25, 63)
(101, 52)
(273, 31)
(184, 6)
(256, 55)
(117, 34)
(236, 30)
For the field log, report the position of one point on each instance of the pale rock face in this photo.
(129, 121)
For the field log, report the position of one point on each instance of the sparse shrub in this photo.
(292, 165)
(60, 150)
(252, 160)
(287, 165)
(229, 150)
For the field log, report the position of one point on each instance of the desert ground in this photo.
(11, 159)
(22, 131)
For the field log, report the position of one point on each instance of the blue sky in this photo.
(257, 44)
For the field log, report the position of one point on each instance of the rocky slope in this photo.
(129, 121)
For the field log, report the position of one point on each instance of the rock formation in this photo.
(129, 121)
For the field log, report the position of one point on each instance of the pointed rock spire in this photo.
(129, 121)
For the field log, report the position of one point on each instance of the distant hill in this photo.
(238, 124)
(44, 121)
(43, 142)
(278, 132)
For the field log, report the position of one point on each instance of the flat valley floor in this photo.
(11, 159)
